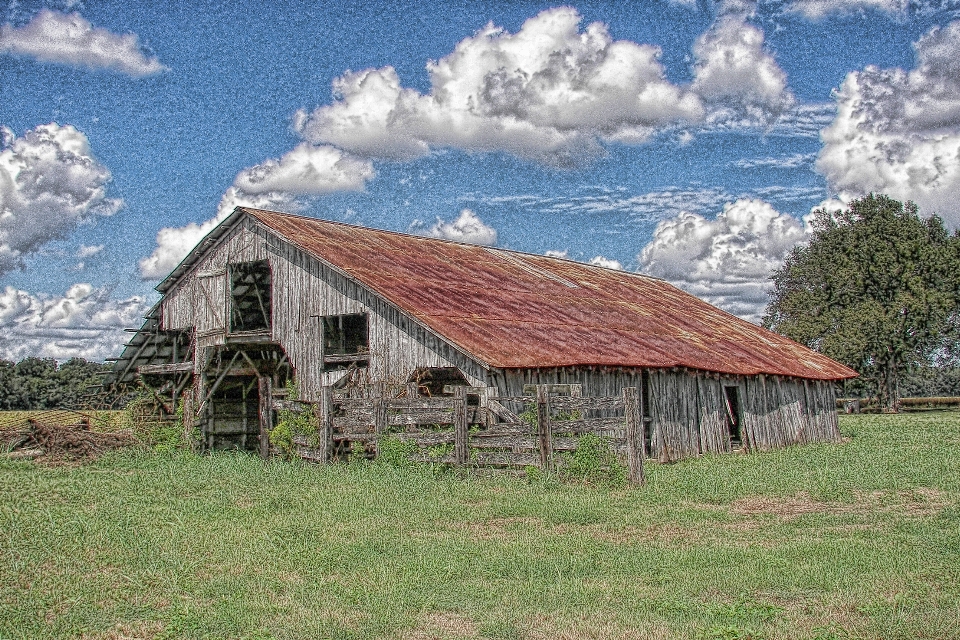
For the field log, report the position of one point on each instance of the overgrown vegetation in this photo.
(290, 424)
(853, 540)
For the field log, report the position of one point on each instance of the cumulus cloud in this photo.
(307, 169)
(736, 75)
(468, 227)
(85, 322)
(49, 183)
(554, 253)
(898, 132)
(550, 92)
(609, 263)
(69, 39)
(726, 261)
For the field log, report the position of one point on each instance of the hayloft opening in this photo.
(734, 417)
(250, 296)
(345, 340)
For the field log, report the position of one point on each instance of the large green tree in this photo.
(876, 288)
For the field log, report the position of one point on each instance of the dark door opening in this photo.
(734, 417)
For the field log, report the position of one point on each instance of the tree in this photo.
(876, 288)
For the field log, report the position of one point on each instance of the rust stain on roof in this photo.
(516, 310)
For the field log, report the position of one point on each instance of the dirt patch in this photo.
(53, 442)
(444, 625)
(916, 502)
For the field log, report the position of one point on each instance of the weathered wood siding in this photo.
(304, 290)
(687, 409)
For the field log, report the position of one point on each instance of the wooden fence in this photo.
(475, 426)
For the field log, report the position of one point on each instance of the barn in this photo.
(267, 298)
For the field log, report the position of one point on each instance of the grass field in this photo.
(853, 540)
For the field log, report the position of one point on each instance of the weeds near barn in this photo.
(852, 540)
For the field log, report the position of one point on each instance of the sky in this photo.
(685, 139)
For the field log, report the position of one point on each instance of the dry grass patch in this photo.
(139, 630)
(590, 627)
(916, 502)
(442, 625)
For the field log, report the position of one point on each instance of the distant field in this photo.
(853, 540)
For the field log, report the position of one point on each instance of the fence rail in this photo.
(475, 426)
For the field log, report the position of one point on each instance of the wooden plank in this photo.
(420, 403)
(350, 424)
(544, 431)
(346, 359)
(162, 369)
(427, 439)
(460, 426)
(264, 386)
(379, 415)
(501, 411)
(526, 442)
(432, 417)
(553, 388)
(563, 403)
(504, 429)
(634, 424)
(590, 425)
(355, 437)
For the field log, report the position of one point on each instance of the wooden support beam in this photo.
(635, 454)
(460, 426)
(266, 415)
(544, 432)
(163, 369)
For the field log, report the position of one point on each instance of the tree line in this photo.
(40, 383)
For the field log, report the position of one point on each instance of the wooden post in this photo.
(460, 426)
(323, 413)
(265, 389)
(634, 419)
(413, 390)
(544, 431)
(379, 420)
(189, 418)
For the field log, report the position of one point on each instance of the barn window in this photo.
(250, 296)
(345, 340)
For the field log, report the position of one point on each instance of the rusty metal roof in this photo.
(517, 310)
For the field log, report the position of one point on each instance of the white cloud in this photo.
(49, 183)
(174, 243)
(609, 263)
(726, 261)
(89, 251)
(468, 227)
(69, 39)
(549, 92)
(307, 170)
(85, 322)
(794, 161)
(898, 132)
(817, 9)
(737, 76)
(554, 253)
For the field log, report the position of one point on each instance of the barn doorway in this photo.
(734, 418)
(231, 402)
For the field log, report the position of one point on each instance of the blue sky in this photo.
(686, 140)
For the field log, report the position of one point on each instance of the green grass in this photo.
(860, 539)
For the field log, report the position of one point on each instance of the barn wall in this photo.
(688, 412)
(303, 291)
